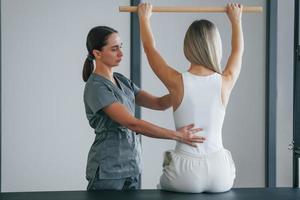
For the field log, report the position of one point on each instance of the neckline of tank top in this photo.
(201, 76)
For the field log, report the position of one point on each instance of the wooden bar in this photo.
(190, 9)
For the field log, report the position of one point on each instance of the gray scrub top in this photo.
(116, 150)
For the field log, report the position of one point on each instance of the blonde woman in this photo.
(198, 96)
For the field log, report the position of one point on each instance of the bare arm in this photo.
(233, 66)
(147, 100)
(159, 66)
(234, 63)
(120, 114)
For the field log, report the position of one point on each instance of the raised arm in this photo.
(234, 63)
(233, 67)
(120, 114)
(162, 70)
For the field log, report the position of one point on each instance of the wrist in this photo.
(144, 18)
(176, 136)
(236, 22)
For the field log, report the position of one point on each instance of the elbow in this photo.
(163, 107)
(163, 104)
(242, 50)
(237, 52)
(148, 48)
(160, 105)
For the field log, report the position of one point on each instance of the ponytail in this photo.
(88, 68)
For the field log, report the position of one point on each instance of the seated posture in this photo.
(200, 96)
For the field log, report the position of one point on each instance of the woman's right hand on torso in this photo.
(188, 135)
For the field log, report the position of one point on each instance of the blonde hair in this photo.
(201, 45)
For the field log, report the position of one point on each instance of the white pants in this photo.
(214, 172)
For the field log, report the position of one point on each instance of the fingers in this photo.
(234, 12)
(191, 139)
(241, 7)
(145, 6)
(195, 130)
(188, 135)
(145, 10)
(194, 141)
(234, 6)
(189, 126)
(192, 144)
(197, 139)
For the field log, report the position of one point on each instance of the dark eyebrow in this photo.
(117, 46)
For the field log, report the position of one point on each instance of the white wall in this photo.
(285, 77)
(45, 134)
(244, 126)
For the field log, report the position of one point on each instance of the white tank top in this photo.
(202, 105)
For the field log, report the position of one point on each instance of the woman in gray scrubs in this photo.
(109, 99)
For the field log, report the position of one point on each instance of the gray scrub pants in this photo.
(129, 183)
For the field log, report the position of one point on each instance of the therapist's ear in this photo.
(97, 54)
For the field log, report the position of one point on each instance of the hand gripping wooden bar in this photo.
(190, 9)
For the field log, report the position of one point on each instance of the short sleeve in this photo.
(129, 83)
(99, 97)
(136, 89)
